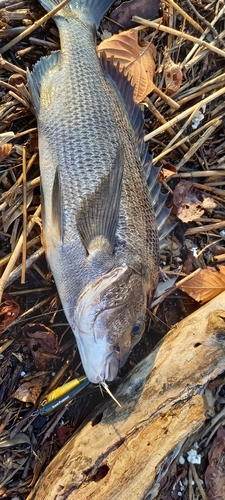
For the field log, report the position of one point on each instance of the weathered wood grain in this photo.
(122, 452)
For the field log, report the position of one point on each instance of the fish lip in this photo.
(108, 364)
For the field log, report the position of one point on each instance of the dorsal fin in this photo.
(98, 215)
(124, 92)
(34, 79)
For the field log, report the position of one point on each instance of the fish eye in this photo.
(138, 328)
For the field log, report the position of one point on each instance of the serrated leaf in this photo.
(205, 285)
(138, 60)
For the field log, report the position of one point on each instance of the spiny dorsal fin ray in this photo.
(99, 213)
(124, 91)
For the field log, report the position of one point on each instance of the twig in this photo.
(183, 115)
(173, 104)
(198, 144)
(204, 20)
(184, 139)
(24, 250)
(162, 120)
(197, 480)
(11, 67)
(212, 190)
(180, 34)
(34, 26)
(199, 173)
(185, 15)
(192, 51)
(16, 252)
(205, 229)
(16, 273)
(18, 182)
(190, 487)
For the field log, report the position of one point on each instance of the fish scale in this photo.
(98, 192)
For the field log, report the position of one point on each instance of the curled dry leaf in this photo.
(172, 74)
(43, 344)
(9, 310)
(167, 171)
(190, 201)
(5, 150)
(215, 472)
(205, 284)
(30, 391)
(137, 60)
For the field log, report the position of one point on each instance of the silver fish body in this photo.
(99, 224)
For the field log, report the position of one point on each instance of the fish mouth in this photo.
(100, 364)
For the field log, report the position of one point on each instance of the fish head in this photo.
(109, 320)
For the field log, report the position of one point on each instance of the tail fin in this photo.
(90, 11)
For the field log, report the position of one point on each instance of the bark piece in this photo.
(123, 452)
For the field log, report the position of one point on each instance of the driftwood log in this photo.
(122, 453)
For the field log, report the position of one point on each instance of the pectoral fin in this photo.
(99, 213)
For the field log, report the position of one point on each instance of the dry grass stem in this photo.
(183, 115)
(16, 273)
(206, 32)
(204, 229)
(8, 66)
(198, 482)
(212, 190)
(204, 20)
(198, 144)
(173, 104)
(185, 15)
(166, 150)
(16, 252)
(162, 120)
(34, 26)
(18, 181)
(24, 249)
(199, 173)
(179, 34)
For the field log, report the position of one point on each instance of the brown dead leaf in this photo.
(190, 201)
(205, 284)
(43, 344)
(63, 434)
(5, 150)
(30, 391)
(215, 472)
(167, 171)
(172, 74)
(138, 60)
(9, 310)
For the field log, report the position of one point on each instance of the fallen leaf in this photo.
(137, 60)
(18, 439)
(63, 433)
(205, 284)
(40, 458)
(190, 201)
(124, 12)
(215, 472)
(30, 391)
(43, 344)
(5, 150)
(172, 74)
(9, 310)
(167, 171)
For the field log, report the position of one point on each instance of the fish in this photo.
(104, 216)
